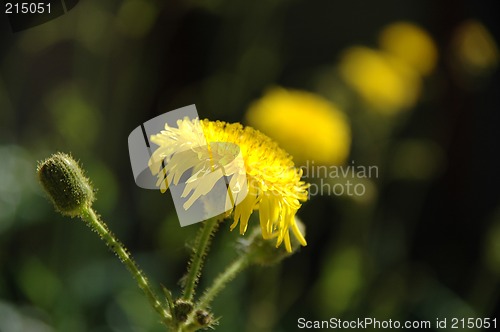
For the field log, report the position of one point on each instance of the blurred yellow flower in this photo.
(411, 44)
(136, 17)
(305, 124)
(274, 184)
(475, 49)
(387, 84)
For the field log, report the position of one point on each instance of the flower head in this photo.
(474, 50)
(273, 183)
(307, 125)
(385, 82)
(411, 44)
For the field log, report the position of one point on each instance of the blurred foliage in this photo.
(416, 81)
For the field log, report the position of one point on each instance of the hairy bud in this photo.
(265, 252)
(203, 318)
(63, 180)
(182, 309)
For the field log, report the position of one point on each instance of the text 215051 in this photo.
(27, 8)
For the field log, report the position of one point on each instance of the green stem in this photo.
(200, 250)
(222, 279)
(117, 247)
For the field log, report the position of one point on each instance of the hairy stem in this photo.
(93, 221)
(222, 279)
(200, 250)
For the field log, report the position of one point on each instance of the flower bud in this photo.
(182, 309)
(63, 180)
(203, 318)
(265, 252)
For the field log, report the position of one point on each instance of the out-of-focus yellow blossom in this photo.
(411, 44)
(308, 126)
(474, 49)
(136, 18)
(386, 83)
(274, 184)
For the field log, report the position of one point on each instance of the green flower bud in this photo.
(264, 252)
(203, 318)
(63, 179)
(182, 309)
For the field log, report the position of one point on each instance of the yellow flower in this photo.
(273, 182)
(411, 44)
(474, 49)
(386, 83)
(308, 126)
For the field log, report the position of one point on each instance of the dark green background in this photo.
(426, 248)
